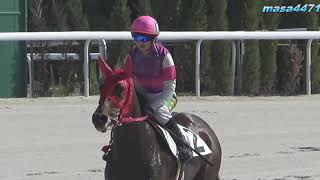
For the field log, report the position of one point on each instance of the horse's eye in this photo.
(119, 91)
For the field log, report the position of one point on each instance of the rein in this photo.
(126, 120)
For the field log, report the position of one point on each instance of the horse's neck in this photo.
(136, 131)
(136, 109)
(135, 144)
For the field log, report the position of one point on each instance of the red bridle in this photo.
(114, 78)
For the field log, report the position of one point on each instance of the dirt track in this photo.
(262, 138)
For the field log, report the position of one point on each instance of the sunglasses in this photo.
(142, 38)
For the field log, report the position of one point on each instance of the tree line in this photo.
(265, 67)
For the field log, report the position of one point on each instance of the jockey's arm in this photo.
(169, 77)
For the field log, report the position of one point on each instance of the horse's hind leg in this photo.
(208, 172)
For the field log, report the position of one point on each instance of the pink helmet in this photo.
(145, 25)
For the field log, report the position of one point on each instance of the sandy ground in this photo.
(262, 138)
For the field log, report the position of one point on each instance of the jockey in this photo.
(154, 71)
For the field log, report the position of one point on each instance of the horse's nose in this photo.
(99, 120)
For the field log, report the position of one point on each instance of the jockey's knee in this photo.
(162, 115)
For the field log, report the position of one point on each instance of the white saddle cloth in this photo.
(192, 138)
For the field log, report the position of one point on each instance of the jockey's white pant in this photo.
(162, 114)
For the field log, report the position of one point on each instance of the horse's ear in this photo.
(128, 67)
(105, 69)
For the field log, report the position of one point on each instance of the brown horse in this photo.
(138, 150)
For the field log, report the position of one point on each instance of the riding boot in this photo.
(185, 152)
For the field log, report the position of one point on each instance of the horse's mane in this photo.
(142, 98)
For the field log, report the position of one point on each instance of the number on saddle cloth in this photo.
(194, 141)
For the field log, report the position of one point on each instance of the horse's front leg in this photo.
(99, 120)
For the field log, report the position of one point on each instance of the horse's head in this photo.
(115, 94)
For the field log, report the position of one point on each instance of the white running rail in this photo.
(198, 36)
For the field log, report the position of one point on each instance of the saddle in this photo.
(195, 142)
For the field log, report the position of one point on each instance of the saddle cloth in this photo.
(192, 138)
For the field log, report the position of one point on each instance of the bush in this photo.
(289, 71)
(59, 90)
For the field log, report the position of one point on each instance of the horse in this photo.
(138, 149)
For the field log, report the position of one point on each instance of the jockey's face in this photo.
(144, 47)
(143, 42)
